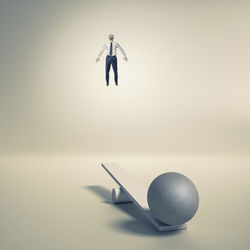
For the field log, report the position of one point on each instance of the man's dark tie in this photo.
(110, 49)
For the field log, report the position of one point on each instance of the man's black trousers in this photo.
(111, 60)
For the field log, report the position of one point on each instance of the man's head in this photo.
(111, 37)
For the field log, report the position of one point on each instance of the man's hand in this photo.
(125, 58)
(97, 59)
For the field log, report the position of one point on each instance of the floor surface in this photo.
(64, 202)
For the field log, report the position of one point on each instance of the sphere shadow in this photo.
(140, 228)
(137, 224)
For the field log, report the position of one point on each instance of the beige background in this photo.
(182, 104)
(185, 88)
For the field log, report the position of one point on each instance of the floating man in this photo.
(111, 59)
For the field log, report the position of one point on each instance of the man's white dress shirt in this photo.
(116, 45)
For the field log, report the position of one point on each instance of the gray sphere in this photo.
(172, 198)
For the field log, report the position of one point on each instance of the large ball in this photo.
(172, 198)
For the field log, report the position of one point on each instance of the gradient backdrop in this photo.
(185, 88)
(182, 105)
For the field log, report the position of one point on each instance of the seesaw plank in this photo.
(137, 193)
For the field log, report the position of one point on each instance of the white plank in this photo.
(137, 193)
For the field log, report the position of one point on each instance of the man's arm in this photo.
(122, 51)
(101, 52)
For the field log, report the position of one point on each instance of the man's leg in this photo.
(114, 66)
(107, 68)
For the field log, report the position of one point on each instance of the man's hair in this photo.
(111, 37)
